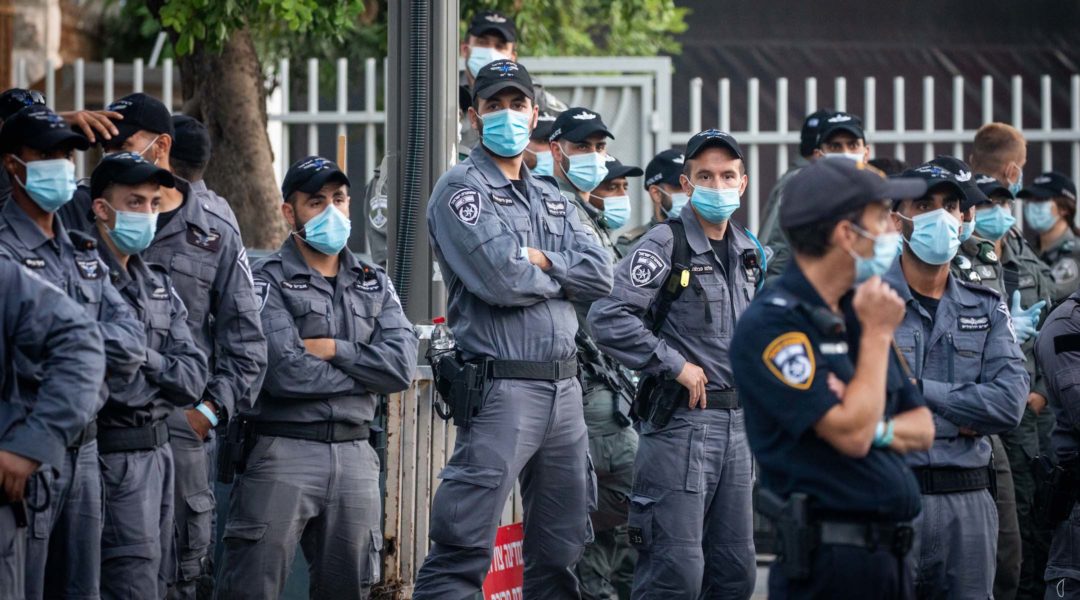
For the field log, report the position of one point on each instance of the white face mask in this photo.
(855, 156)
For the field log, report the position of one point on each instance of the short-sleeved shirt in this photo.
(790, 342)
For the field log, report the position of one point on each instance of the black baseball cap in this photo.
(839, 121)
(496, 76)
(490, 21)
(1049, 185)
(544, 124)
(826, 189)
(617, 170)
(16, 99)
(936, 178)
(990, 186)
(577, 124)
(809, 134)
(965, 177)
(309, 175)
(39, 128)
(664, 168)
(141, 113)
(192, 140)
(710, 138)
(128, 168)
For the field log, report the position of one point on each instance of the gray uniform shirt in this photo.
(376, 348)
(174, 373)
(969, 367)
(772, 236)
(1058, 352)
(702, 320)
(1063, 258)
(499, 304)
(39, 322)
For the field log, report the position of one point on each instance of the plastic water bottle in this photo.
(441, 339)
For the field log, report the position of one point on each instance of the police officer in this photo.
(1058, 350)
(336, 337)
(691, 524)
(189, 158)
(771, 233)
(39, 321)
(830, 410)
(1050, 211)
(665, 192)
(198, 242)
(538, 152)
(133, 440)
(516, 257)
(958, 339)
(63, 550)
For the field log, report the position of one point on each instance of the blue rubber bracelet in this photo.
(208, 413)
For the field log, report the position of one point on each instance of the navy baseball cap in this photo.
(310, 174)
(127, 168)
(192, 141)
(965, 177)
(839, 121)
(577, 124)
(809, 134)
(710, 138)
(1049, 185)
(496, 76)
(38, 127)
(16, 99)
(936, 178)
(664, 168)
(990, 186)
(617, 170)
(544, 124)
(141, 113)
(490, 21)
(829, 188)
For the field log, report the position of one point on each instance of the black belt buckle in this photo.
(903, 538)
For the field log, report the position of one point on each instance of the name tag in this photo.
(1026, 281)
(556, 208)
(34, 263)
(294, 285)
(88, 269)
(501, 200)
(832, 348)
(973, 323)
(701, 269)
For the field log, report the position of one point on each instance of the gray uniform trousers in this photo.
(193, 505)
(953, 556)
(324, 496)
(690, 512)
(137, 558)
(532, 431)
(606, 571)
(1063, 568)
(63, 552)
(12, 556)
(1008, 562)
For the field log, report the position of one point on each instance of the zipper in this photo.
(952, 355)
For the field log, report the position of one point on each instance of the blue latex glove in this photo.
(1025, 320)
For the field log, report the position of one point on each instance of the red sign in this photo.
(507, 573)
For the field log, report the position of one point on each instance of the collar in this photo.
(954, 292)
(191, 211)
(491, 172)
(1068, 236)
(294, 265)
(27, 231)
(700, 243)
(795, 282)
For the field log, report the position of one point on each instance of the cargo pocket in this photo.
(676, 455)
(466, 506)
(639, 526)
(374, 570)
(40, 522)
(243, 532)
(200, 510)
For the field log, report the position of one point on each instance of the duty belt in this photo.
(133, 439)
(85, 436)
(952, 481)
(896, 537)
(525, 369)
(321, 431)
(722, 400)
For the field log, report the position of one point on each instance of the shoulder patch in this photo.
(89, 268)
(377, 212)
(262, 290)
(645, 267)
(1065, 270)
(791, 359)
(466, 206)
(242, 262)
(207, 241)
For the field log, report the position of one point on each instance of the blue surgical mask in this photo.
(133, 231)
(886, 247)
(616, 211)
(328, 231)
(545, 165)
(715, 205)
(935, 237)
(480, 57)
(586, 170)
(1039, 215)
(49, 183)
(966, 229)
(678, 201)
(1014, 188)
(506, 132)
(993, 223)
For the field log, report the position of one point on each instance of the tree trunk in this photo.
(225, 90)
